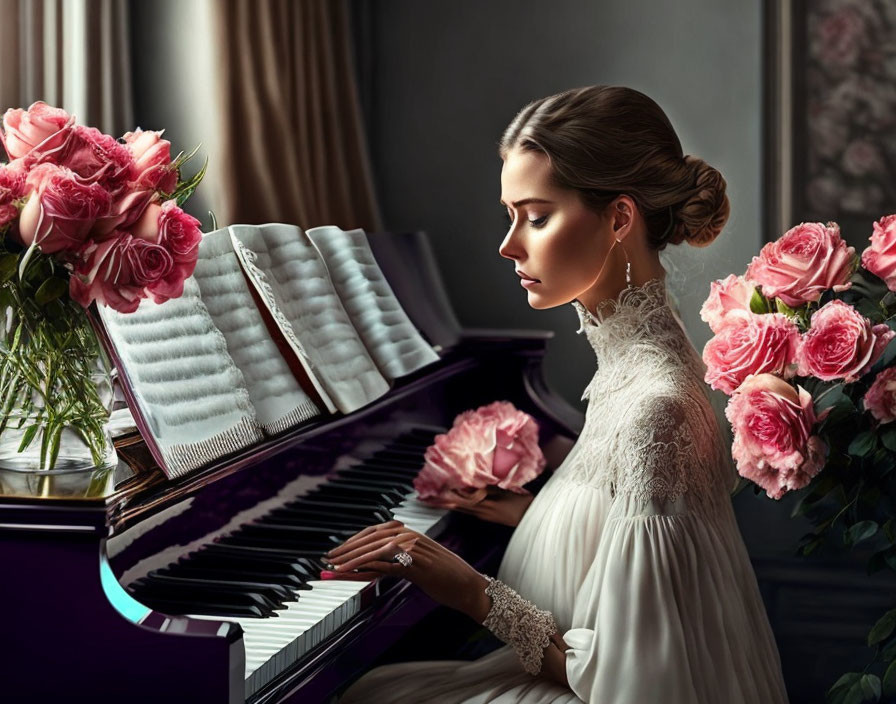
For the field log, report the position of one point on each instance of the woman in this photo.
(626, 579)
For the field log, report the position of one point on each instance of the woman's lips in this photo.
(527, 281)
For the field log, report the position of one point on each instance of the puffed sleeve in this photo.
(670, 609)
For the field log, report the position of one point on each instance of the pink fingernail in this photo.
(326, 574)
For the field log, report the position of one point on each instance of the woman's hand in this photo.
(443, 575)
(488, 503)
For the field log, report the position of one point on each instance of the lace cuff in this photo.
(519, 623)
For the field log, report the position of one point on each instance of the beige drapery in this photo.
(69, 53)
(291, 143)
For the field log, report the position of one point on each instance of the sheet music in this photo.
(189, 390)
(294, 282)
(279, 400)
(388, 334)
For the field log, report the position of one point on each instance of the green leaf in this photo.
(888, 654)
(8, 265)
(883, 628)
(28, 436)
(888, 438)
(50, 290)
(185, 189)
(863, 444)
(889, 683)
(870, 688)
(859, 532)
(785, 309)
(758, 303)
(842, 687)
(834, 398)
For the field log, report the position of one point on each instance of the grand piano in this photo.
(205, 588)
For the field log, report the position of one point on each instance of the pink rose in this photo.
(880, 257)
(493, 445)
(841, 343)
(152, 161)
(98, 157)
(12, 187)
(803, 263)
(170, 227)
(750, 344)
(41, 128)
(127, 209)
(60, 210)
(726, 295)
(119, 272)
(773, 444)
(839, 37)
(880, 399)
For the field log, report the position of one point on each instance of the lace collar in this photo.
(637, 314)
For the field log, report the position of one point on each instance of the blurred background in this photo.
(386, 115)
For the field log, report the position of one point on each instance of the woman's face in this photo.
(556, 242)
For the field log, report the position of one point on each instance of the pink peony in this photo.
(726, 295)
(493, 445)
(60, 210)
(119, 272)
(841, 343)
(98, 157)
(40, 128)
(880, 399)
(804, 262)
(152, 161)
(750, 344)
(773, 442)
(880, 256)
(12, 187)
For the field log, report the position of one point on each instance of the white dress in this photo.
(632, 544)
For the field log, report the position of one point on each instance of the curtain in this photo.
(291, 143)
(69, 53)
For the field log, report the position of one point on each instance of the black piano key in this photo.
(383, 499)
(282, 541)
(202, 596)
(340, 508)
(272, 590)
(370, 482)
(176, 607)
(310, 560)
(185, 569)
(325, 518)
(362, 472)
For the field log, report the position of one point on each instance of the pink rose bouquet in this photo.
(495, 445)
(84, 218)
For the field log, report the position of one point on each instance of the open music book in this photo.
(276, 326)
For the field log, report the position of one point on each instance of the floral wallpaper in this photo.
(849, 163)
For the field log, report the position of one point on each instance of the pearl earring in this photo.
(628, 265)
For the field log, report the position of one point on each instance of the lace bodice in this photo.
(650, 431)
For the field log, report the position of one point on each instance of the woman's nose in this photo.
(510, 248)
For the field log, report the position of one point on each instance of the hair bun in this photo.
(702, 216)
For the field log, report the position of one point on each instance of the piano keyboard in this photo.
(265, 574)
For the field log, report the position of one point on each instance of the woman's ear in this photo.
(623, 216)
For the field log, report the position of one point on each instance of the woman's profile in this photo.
(626, 580)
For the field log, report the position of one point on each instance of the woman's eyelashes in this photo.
(535, 222)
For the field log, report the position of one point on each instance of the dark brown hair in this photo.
(605, 141)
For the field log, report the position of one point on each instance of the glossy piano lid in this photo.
(278, 398)
(390, 337)
(293, 281)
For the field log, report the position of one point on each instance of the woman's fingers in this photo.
(378, 530)
(383, 553)
(372, 544)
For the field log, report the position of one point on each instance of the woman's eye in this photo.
(539, 222)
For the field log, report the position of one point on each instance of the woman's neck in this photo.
(644, 267)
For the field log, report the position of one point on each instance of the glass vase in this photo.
(55, 396)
